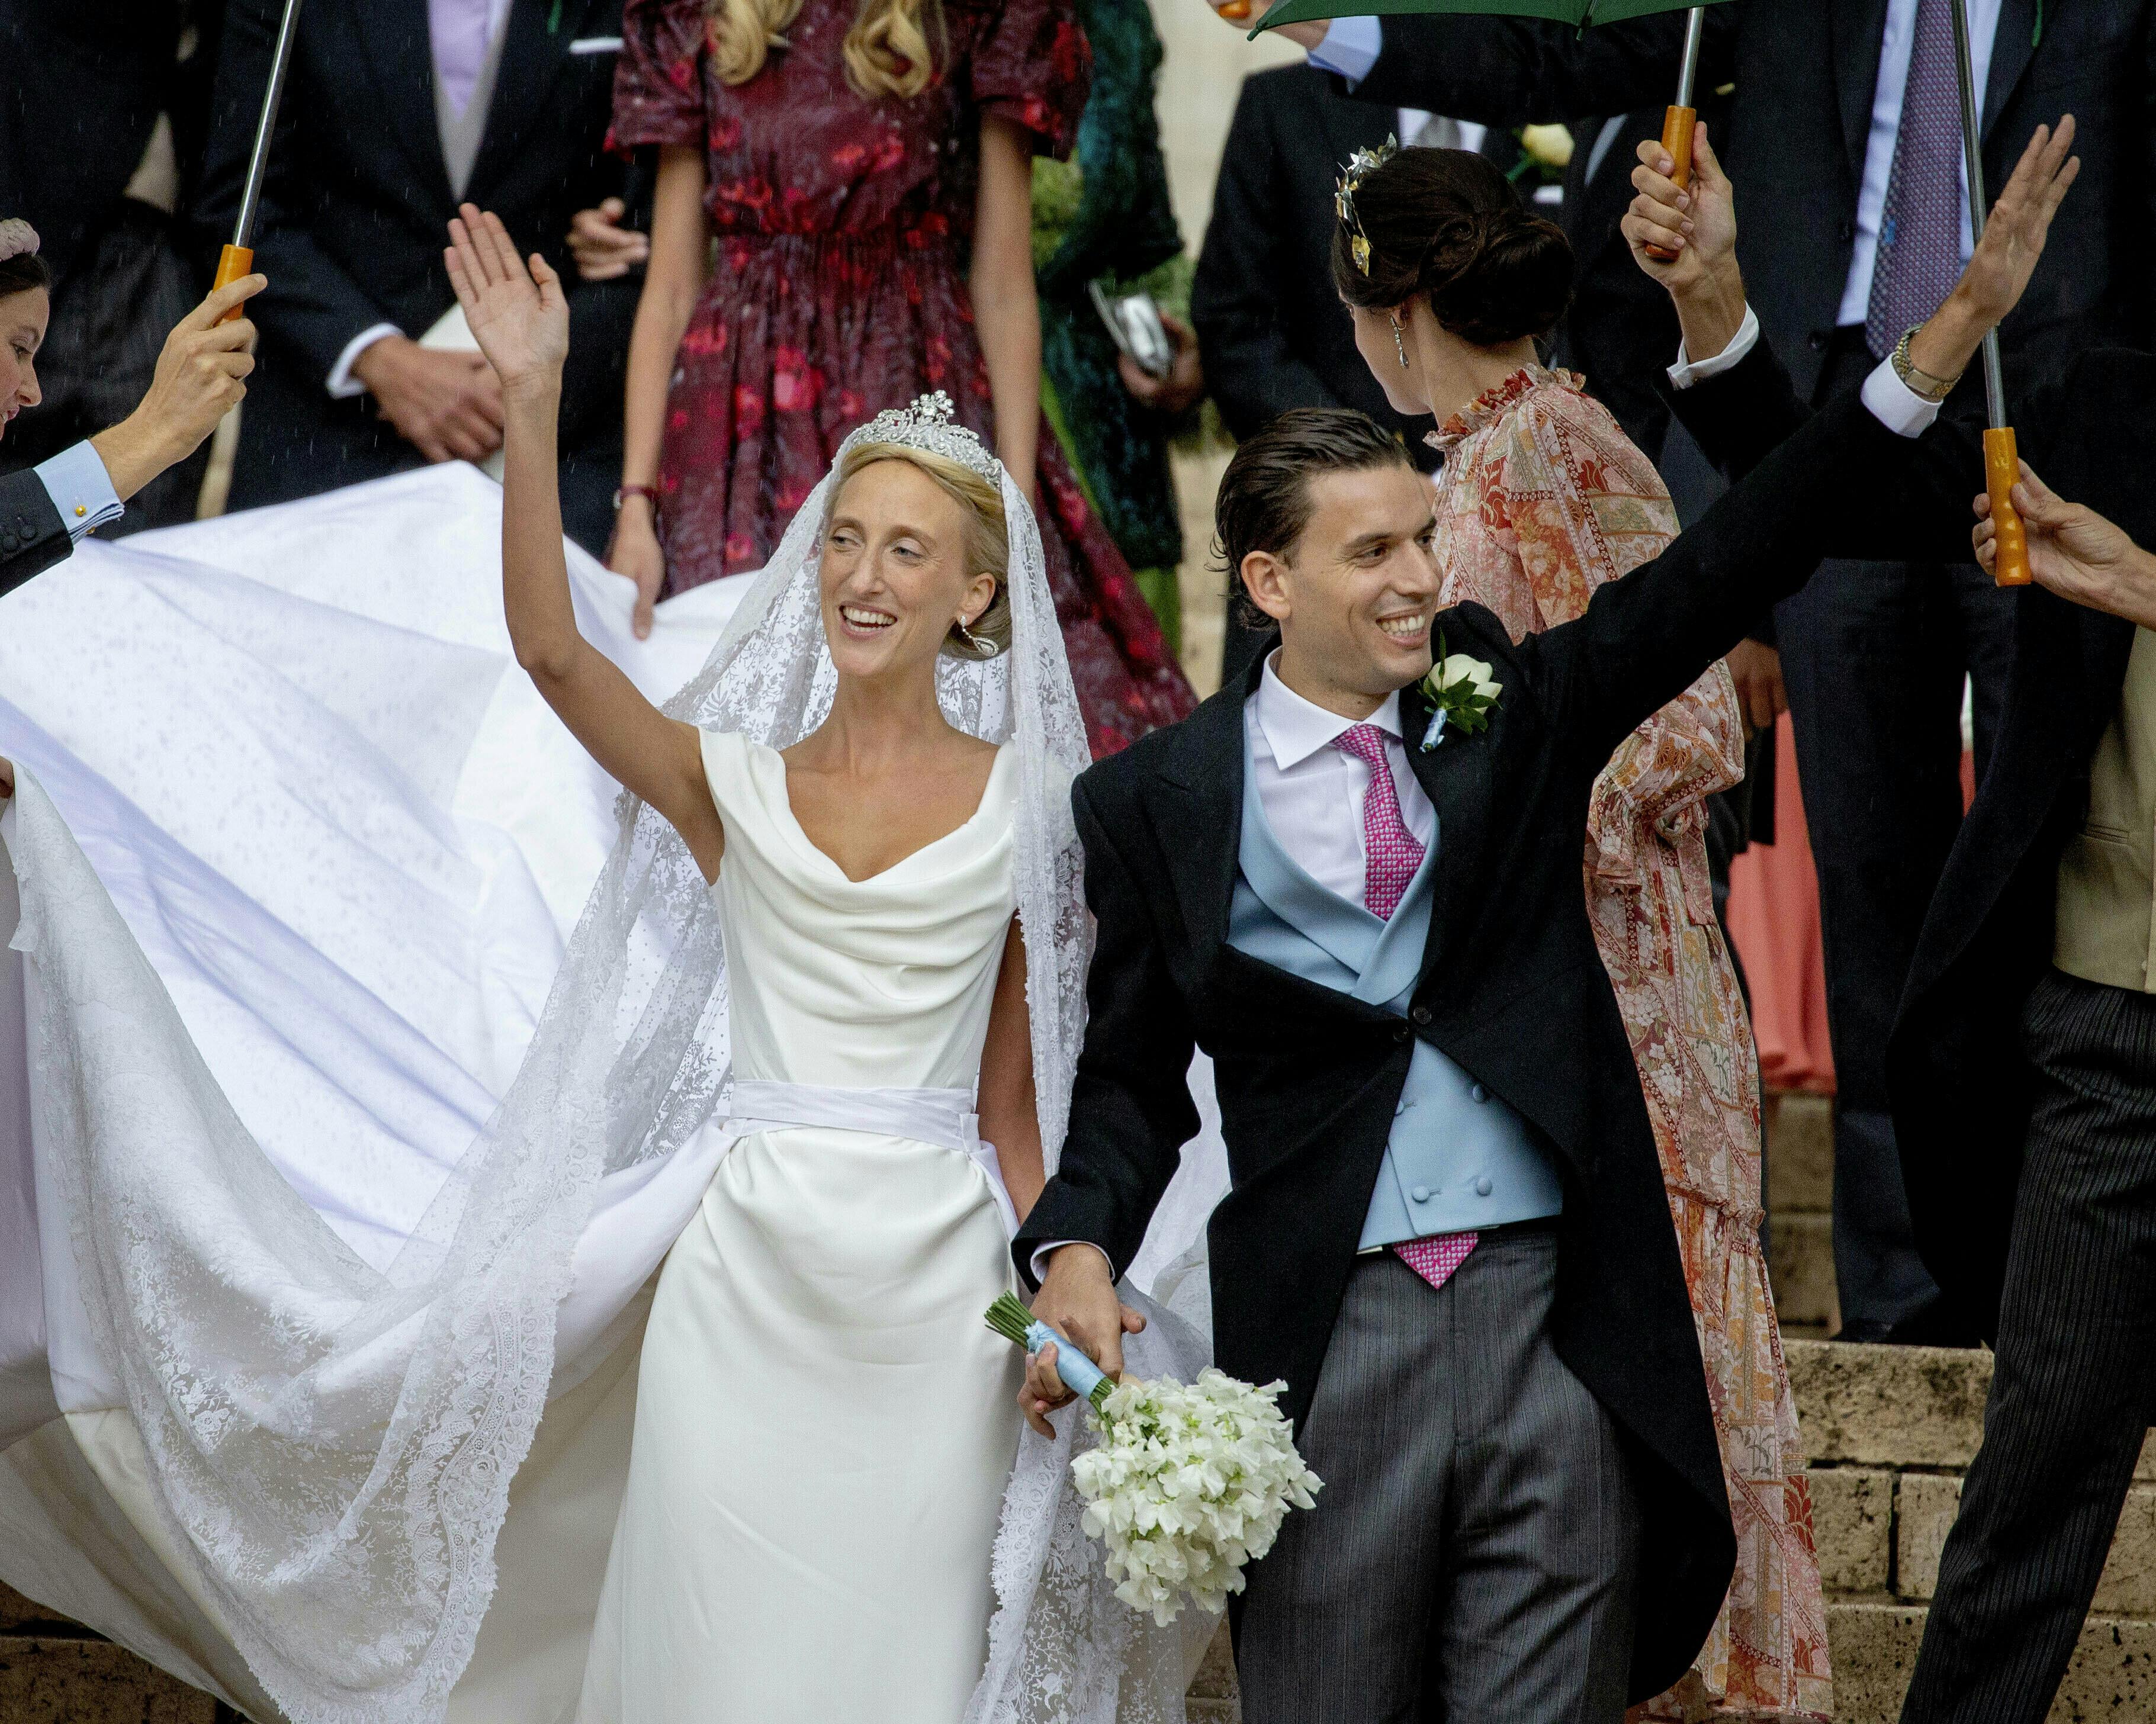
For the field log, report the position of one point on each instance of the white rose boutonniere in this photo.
(1459, 693)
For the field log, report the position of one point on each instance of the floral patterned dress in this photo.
(1541, 500)
(838, 290)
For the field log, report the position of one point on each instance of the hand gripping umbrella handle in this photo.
(1682, 117)
(233, 262)
(2002, 471)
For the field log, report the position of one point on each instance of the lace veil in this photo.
(330, 1445)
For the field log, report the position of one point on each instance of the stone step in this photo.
(48, 1680)
(1799, 1154)
(1874, 1648)
(1801, 1270)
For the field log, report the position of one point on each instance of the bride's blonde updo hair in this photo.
(890, 51)
(987, 535)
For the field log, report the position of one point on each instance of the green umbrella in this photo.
(1676, 126)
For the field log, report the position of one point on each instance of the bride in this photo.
(828, 1297)
(810, 1046)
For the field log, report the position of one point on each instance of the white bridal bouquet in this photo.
(1188, 1481)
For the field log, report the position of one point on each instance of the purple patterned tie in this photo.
(1919, 257)
(1391, 852)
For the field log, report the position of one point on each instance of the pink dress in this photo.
(837, 291)
(1541, 500)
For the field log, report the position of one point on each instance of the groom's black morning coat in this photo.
(1512, 988)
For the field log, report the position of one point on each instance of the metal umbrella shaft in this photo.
(238, 258)
(2002, 460)
(1683, 116)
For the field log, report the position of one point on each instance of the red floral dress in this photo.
(838, 290)
(1541, 501)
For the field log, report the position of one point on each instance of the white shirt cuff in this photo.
(1896, 405)
(80, 489)
(1687, 371)
(1351, 48)
(343, 386)
(1041, 1256)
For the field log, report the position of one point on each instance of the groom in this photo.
(1447, 1230)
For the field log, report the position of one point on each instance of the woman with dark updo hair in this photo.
(1452, 284)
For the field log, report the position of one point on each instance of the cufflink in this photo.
(81, 510)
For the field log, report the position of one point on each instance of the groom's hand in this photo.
(1076, 1299)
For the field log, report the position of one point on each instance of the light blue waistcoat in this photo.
(1458, 1158)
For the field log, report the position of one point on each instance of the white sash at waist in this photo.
(944, 1117)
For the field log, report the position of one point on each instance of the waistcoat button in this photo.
(1420, 1193)
(1479, 1093)
(1420, 1014)
(1482, 1187)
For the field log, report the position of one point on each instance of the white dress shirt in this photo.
(80, 489)
(1313, 793)
(1890, 401)
(478, 22)
(1352, 45)
(1897, 44)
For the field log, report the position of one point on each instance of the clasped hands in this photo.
(1077, 1298)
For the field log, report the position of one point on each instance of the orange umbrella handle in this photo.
(1236, 9)
(234, 262)
(1676, 138)
(2002, 471)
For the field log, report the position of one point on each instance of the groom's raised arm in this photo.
(1130, 1111)
(1645, 639)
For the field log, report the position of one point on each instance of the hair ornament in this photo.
(931, 424)
(1360, 166)
(16, 237)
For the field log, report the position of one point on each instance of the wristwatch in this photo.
(1921, 382)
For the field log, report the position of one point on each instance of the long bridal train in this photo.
(300, 852)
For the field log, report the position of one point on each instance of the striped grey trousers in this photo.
(2071, 1387)
(1472, 1555)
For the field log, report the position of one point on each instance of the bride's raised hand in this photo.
(518, 313)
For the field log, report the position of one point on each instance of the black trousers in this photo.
(2072, 1387)
(1873, 654)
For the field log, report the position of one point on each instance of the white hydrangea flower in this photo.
(1189, 1483)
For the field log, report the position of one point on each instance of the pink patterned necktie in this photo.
(1392, 854)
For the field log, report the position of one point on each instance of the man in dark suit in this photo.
(1873, 654)
(100, 151)
(1271, 331)
(394, 111)
(2023, 1065)
(1476, 1552)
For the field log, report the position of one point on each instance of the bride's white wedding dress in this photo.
(281, 1270)
(778, 1555)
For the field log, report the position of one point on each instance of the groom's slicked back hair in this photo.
(1264, 501)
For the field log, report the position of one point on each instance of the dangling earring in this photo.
(1399, 347)
(973, 640)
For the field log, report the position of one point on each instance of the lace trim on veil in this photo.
(331, 1446)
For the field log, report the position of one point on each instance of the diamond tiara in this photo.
(931, 424)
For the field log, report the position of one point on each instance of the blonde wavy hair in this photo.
(889, 50)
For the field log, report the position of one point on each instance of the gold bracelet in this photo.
(1922, 382)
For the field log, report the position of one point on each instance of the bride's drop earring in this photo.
(966, 634)
(1399, 347)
